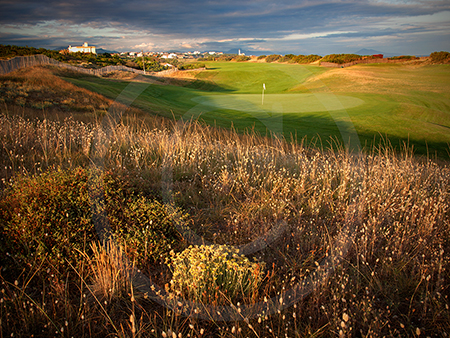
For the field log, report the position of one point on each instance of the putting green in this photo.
(280, 103)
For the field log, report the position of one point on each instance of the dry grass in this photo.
(376, 79)
(380, 219)
(111, 272)
(38, 91)
(362, 79)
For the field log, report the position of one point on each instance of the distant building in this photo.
(83, 49)
(169, 56)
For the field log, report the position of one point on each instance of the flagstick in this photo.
(262, 101)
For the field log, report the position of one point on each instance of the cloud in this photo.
(176, 24)
(299, 36)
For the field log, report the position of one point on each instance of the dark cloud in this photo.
(211, 22)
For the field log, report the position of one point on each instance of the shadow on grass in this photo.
(322, 132)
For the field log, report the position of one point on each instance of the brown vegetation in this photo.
(39, 89)
(380, 219)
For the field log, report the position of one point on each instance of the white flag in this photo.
(264, 86)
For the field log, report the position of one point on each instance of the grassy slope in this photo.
(391, 282)
(400, 102)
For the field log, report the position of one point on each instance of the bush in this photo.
(145, 228)
(225, 57)
(403, 57)
(273, 58)
(285, 59)
(142, 225)
(307, 58)
(440, 57)
(150, 65)
(48, 215)
(242, 58)
(214, 274)
(195, 65)
(341, 58)
(51, 216)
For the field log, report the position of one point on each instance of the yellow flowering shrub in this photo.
(214, 274)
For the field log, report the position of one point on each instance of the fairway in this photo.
(280, 103)
(369, 103)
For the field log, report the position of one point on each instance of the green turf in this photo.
(280, 103)
(358, 104)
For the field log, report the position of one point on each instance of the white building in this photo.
(169, 56)
(83, 49)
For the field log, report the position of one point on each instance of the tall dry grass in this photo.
(380, 219)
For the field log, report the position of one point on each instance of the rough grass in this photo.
(39, 88)
(353, 244)
(362, 239)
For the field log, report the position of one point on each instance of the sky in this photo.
(287, 26)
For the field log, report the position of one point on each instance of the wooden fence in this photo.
(18, 62)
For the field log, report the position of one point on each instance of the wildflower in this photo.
(345, 317)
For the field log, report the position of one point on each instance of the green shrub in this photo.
(48, 215)
(186, 66)
(214, 274)
(341, 58)
(52, 215)
(273, 58)
(285, 59)
(145, 228)
(225, 57)
(139, 223)
(242, 58)
(307, 58)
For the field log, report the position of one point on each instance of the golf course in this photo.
(228, 201)
(403, 104)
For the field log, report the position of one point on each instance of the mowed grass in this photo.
(359, 105)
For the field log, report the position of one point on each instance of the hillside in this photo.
(121, 223)
(364, 104)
